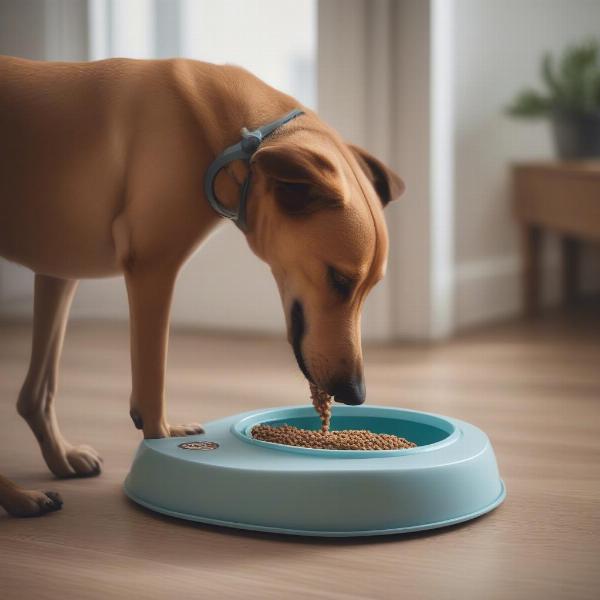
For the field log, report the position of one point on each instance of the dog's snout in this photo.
(349, 391)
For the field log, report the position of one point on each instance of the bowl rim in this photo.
(241, 429)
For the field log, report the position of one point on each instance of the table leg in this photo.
(570, 269)
(531, 249)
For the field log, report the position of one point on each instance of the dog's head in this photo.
(316, 217)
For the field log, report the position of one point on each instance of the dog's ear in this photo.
(386, 183)
(303, 179)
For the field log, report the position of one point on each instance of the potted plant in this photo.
(571, 100)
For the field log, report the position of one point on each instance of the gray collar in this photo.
(243, 150)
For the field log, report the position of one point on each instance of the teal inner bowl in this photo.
(427, 431)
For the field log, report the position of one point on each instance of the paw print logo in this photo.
(199, 445)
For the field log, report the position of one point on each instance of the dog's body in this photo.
(101, 170)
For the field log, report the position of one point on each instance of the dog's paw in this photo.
(84, 461)
(67, 461)
(183, 430)
(32, 503)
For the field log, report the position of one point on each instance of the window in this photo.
(274, 39)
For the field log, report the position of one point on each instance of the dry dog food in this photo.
(322, 403)
(348, 439)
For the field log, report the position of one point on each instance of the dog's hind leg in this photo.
(27, 503)
(36, 404)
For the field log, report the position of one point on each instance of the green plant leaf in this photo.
(577, 64)
(573, 83)
(549, 76)
(530, 104)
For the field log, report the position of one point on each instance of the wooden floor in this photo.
(533, 387)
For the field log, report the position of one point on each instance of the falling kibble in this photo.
(322, 402)
(348, 439)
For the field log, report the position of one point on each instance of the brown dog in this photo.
(101, 168)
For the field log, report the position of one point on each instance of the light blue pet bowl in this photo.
(225, 477)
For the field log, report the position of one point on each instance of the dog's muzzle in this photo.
(349, 391)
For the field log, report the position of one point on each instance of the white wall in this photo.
(498, 45)
(22, 27)
(44, 29)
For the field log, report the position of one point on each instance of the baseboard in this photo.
(490, 290)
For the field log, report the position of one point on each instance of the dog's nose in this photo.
(349, 391)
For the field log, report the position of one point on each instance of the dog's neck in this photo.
(223, 99)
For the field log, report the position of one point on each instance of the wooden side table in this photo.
(563, 197)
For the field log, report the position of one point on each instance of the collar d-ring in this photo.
(243, 150)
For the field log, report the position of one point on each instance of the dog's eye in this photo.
(342, 284)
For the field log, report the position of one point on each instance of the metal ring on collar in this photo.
(243, 150)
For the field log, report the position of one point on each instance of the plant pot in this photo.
(577, 135)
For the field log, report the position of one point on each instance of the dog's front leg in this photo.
(150, 291)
